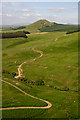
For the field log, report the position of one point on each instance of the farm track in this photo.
(19, 75)
(10, 108)
(38, 51)
(19, 68)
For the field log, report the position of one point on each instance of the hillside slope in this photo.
(38, 25)
(44, 26)
(34, 27)
(58, 68)
(59, 27)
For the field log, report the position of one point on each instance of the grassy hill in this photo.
(58, 68)
(34, 27)
(61, 53)
(38, 25)
(44, 26)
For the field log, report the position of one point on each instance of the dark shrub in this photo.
(8, 72)
(56, 88)
(65, 88)
(26, 32)
(40, 82)
(30, 86)
(22, 79)
(5, 71)
(18, 78)
(14, 74)
(31, 82)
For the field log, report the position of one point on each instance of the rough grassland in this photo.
(58, 68)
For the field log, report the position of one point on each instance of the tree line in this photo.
(14, 34)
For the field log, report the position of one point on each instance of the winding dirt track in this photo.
(10, 108)
(19, 75)
(19, 68)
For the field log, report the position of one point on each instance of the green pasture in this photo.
(58, 68)
(65, 104)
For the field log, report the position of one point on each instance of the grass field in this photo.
(58, 68)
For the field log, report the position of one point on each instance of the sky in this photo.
(28, 12)
(40, 0)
